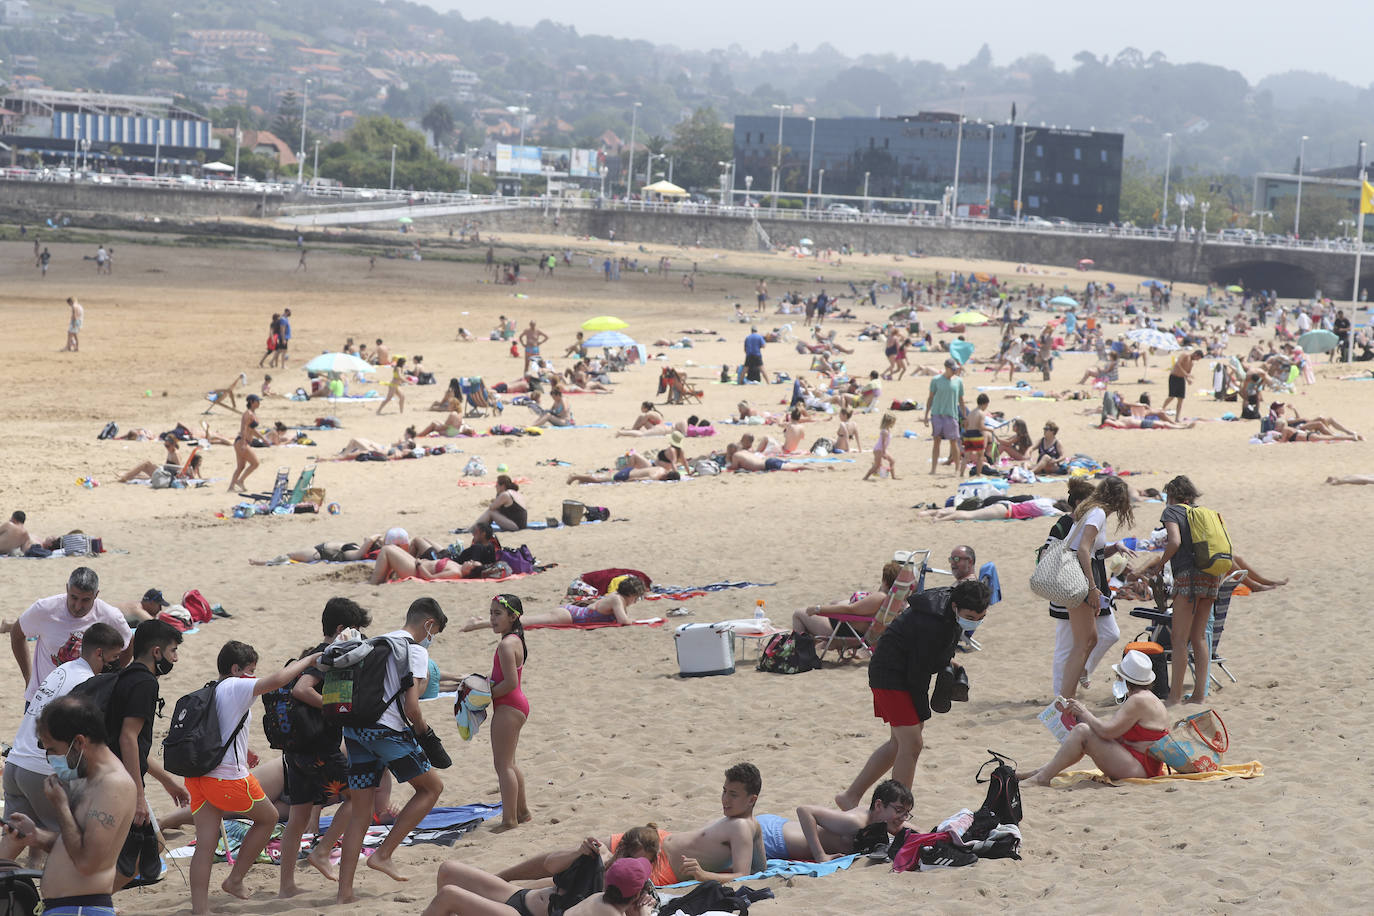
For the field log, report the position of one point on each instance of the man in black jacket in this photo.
(913, 650)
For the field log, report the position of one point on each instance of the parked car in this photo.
(844, 210)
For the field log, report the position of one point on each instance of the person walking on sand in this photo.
(74, 322)
(393, 387)
(510, 706)
(945, 401)
(882, 448)
(243, 452)
(273, 339)
(42, 263)
(300, 265)
(1179, 377)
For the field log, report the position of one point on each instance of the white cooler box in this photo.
(704, 649)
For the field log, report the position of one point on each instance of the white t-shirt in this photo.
(233, 697)
(419, 669)
(59, 633)
(1096, 517)
(59, 682)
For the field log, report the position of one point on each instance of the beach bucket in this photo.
(573, 512)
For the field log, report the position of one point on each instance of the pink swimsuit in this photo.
(516, 698)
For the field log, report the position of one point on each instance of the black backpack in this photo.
(1003, 802)
(19, 890)
(99, 690)
(289, 724)
(192, 746)
(354, 686)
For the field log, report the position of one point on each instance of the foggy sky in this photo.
(1256, 38)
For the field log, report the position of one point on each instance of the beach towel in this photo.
(1249, 770)
(538, 525)
(988, 573)
(537, 571)
(470, 482)
(651, 622)
(682, 592)
(790, 868)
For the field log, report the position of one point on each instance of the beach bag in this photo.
(354, 689)
(162, 478)
(573, 512)
(197, 606)
(789, 653)
(289, 724)
(109, 432)
(1211, 544)
(520, 561)
(1194, 744)
(475, 468)
(908, 858)
(705, 467)
(192, 746)
(76, 545)
(1058, 577)
(19, 890)
(822, 447)
(1003, 802)
(596, 513)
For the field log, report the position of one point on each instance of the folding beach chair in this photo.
(846, 639)
(303, 484)
(1160, 628)
(220, 396)
(679, 391)
(479, 401)
(278, 493)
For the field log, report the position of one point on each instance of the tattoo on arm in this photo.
(104, 818)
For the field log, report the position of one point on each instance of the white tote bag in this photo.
(1058, 577)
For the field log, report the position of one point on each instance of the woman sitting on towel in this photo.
(1117, 745)
(1018, 446)
(507, 511)
(451, 426)
(171, 461)
(452, 399)
(815, 619)
(608, 610)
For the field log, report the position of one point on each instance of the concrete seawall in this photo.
(41, 200)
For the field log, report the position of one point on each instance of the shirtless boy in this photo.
(78, 315)
(94, 797)
(1179, 377)
(741, 459)
(821, 834)
(13, 535)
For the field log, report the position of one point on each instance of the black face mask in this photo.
(110, 667)
(162, 667)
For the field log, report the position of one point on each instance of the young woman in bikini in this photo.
(1018, 446)
(507, 511)
(510, 707)
(1117, 745)
(393, 387)
(243, 452)
(609, 609)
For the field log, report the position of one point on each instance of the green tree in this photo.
(698, 144)
(287, 123)
(439, 122)
(363, 158)
(1323, 214)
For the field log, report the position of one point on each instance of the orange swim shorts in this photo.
(232, 796)
(662, 874)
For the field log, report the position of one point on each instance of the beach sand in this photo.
(616, 738)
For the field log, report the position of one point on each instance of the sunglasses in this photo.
(502, 600)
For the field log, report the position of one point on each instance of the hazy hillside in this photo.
(400, 58)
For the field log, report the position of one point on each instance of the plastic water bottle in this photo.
(908, 434)
(758, 609)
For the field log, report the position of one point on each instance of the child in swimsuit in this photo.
(510, 707)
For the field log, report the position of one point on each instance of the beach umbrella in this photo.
(805, 243)
(895, 274)
(404, 219)
(970, 318)
(1064, 301)
(983, 277)
(609, 339)
(1155, 284)
(1149, 337)
(338, 363)
(961, 350)
(1233, 288)
(1318, 341)
(1084, 263)
(604, 323)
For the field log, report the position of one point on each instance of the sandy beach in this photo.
(615, 737)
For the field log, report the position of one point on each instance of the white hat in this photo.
(1135, 668)
(397, 536)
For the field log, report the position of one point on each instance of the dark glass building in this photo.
(1074, 174)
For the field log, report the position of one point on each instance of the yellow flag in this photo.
(1367, 198)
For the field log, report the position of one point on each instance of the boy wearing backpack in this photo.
(130, 701)
(313, 777)
(229, 788)
(390, 743)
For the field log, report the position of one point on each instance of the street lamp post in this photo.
(157, 151)
(988, 201)
(725, 175)
(1297, 206)
(810, 162)
(391, 181)
(820, 185)
(958, 151)
(315, 166)
(523, 108)
(238, 141)
(76, 139)
(1204, 207)
(1168, 156)
(748, 186)
(305, 108)
(630, 169)
(777, 167)
(866, 192)
(467, 167)
(1021, 173)
(1261, 214)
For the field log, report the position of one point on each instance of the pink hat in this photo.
(628, 876)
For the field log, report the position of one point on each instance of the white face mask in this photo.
(429, 638)
(967, 626)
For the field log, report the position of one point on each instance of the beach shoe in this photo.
(945, 854)
(943, 693)
(678, 612)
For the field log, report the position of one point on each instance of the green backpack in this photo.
(1210, 543)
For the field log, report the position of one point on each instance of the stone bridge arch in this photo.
(1288, 280)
